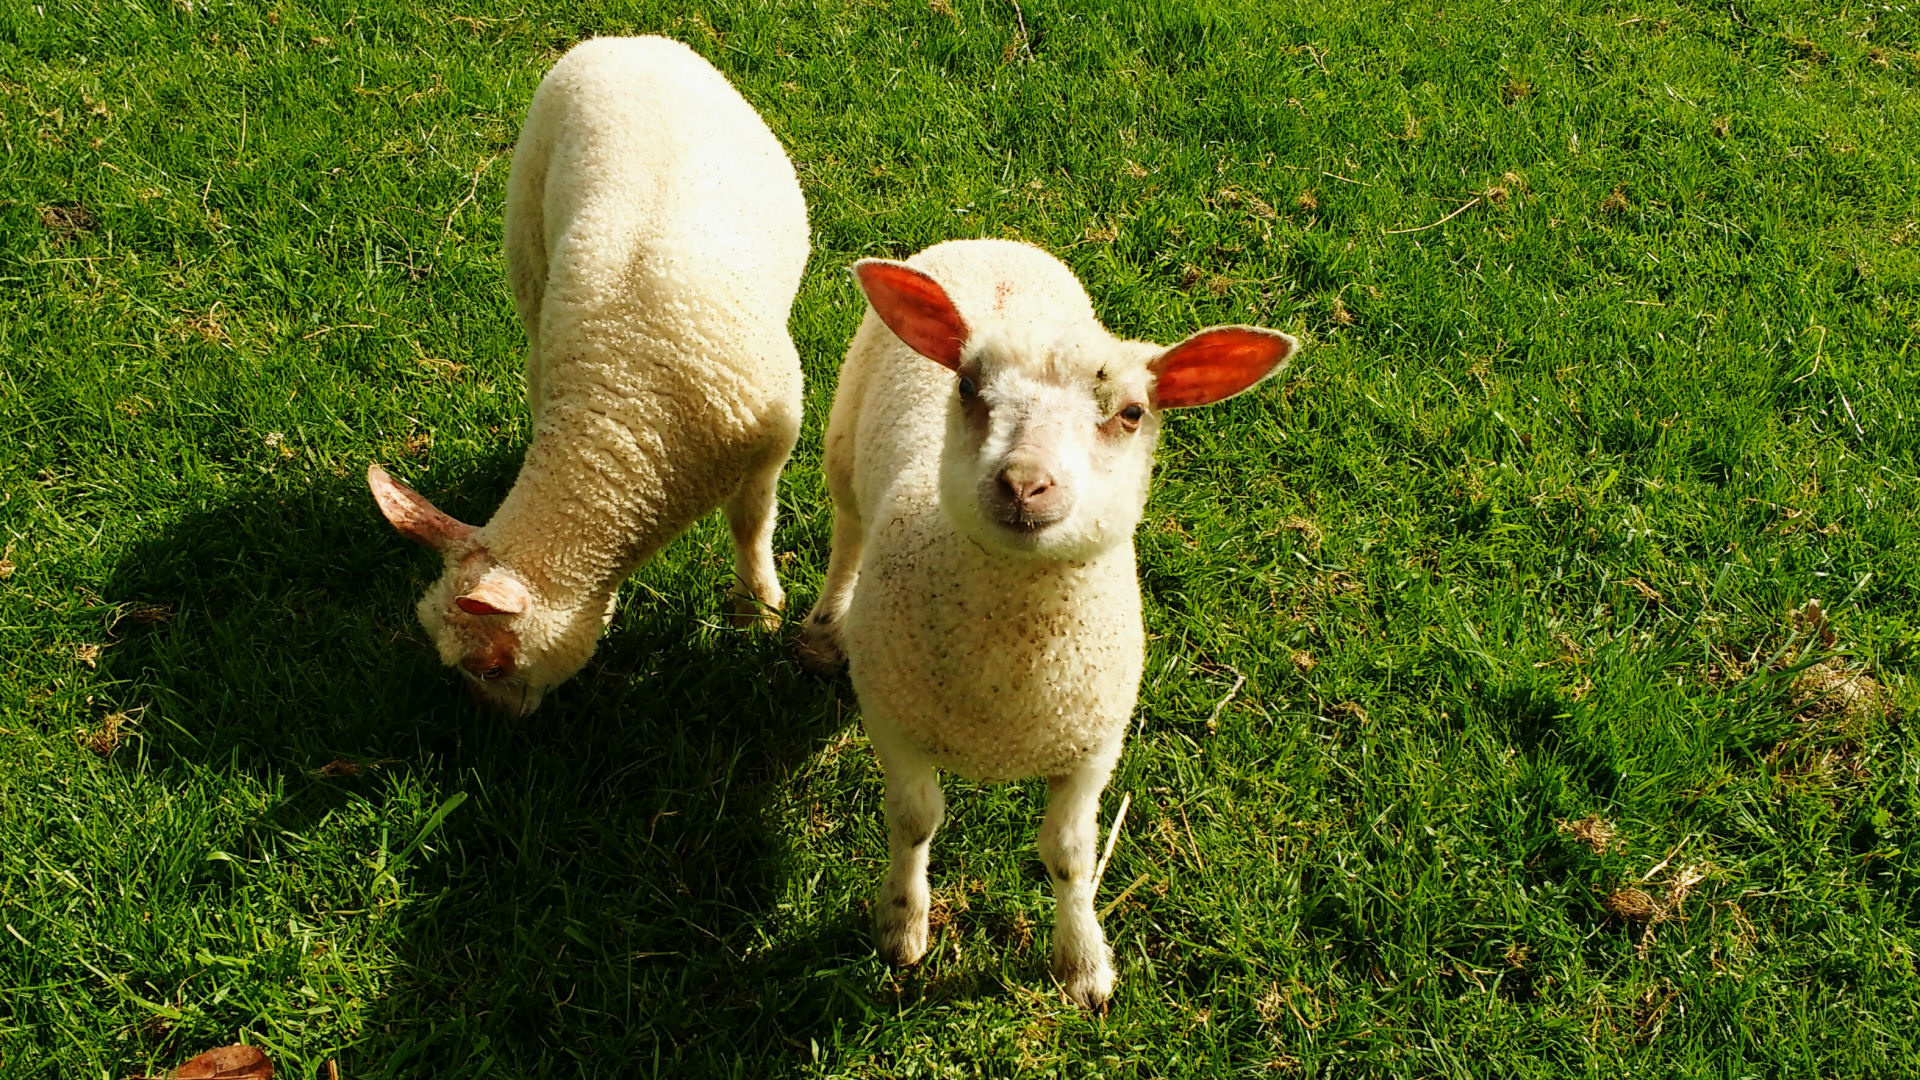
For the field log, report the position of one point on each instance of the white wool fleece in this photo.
(656, 236)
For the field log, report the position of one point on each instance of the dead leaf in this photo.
(227, 1063)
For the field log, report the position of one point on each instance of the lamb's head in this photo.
(1053, 421)
(485, 619)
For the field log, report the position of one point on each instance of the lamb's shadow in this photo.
(600, 890)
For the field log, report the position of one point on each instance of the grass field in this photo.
(1485, 731)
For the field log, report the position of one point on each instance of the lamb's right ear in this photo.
(915, 308)
(409, 511)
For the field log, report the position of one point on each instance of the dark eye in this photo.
(1132, 414)
(492, 673)
(967, 389)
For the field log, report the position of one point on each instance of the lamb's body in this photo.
(656, 237)
(995, 668)
(989, 454)
(982, 586)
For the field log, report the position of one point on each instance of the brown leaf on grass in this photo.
(1615, 203)
(1812, 618)
(227, 1063)
(1303, 661)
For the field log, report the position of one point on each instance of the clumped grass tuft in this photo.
(1530, 667)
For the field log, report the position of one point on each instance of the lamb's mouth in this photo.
(515, 698)
(1022, 524)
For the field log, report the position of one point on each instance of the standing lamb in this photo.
(655, 238)
(982, 587)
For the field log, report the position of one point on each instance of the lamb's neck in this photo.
(1048, 583)
(581, 515)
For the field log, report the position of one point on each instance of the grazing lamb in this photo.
(982, 587)
(655, 238)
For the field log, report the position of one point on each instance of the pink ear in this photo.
(497, 593)
(416, 518)
(915, 308)
(1216, 364)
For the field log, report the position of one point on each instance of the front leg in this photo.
(819, 648)
(1069, 845)
(915, 806)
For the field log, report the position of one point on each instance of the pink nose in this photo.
(1025, 482)
(1027, 491)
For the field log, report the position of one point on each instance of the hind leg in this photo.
(751, 513)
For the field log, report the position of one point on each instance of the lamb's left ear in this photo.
(497, 592)
(1216, 364)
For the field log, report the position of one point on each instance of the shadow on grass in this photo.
(598, 896)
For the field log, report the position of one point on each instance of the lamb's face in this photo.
(1051, 430)
(1049, 445)
(508, 644)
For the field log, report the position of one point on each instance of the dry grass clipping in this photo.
(107, 736)
(1596, 832)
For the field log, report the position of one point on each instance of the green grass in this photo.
(1515, 542)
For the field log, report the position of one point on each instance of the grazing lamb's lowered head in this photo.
(1053, 422)
(485, 620)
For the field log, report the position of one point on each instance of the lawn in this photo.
(1487, 729)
